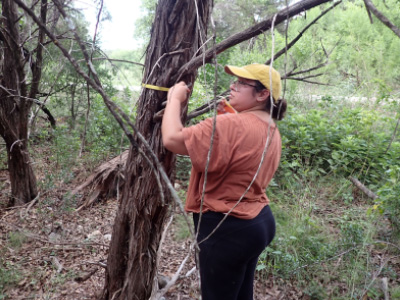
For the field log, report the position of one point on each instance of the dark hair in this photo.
(278, 108)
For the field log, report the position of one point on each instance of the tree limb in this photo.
(114, 60)
(370, 6)
(253, 31)
(294, 41)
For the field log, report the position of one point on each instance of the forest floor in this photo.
(48, 250)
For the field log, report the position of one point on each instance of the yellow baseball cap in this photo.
(261, 73)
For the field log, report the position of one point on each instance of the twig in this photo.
(174, 278)
(376, 274)
(114, 60)
(309, 81)
(87, 84)
(248, 33)
(294, 41)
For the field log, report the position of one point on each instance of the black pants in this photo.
(228, 259)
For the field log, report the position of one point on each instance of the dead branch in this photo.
(294, 41)
(377, 273)
(363, 188)
(371, 7)
(309, 81)
(50, 117)
(253, 31)
(114, 60)
(37, 65)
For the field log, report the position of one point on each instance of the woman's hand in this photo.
(179, 92)
(171, 127)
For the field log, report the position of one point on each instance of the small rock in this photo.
(54, 237)
(94, 235)
(107, 237)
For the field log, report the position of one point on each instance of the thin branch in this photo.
(307, 70)
(294, 41)
(248, 33)
(87, 84)
(309, 81)
(377, 273)
(37, 66)
(114, 60)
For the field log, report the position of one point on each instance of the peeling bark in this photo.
(132, 262)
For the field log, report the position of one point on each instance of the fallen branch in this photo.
(363, 188)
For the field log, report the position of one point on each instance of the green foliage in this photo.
(341, 140)
(16, 239)
(388, 196)
(181, 231)
(9, 276)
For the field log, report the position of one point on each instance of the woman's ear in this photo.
(263, 95)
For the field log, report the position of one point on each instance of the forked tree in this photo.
(17, 93)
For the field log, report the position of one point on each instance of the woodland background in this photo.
(333, 241)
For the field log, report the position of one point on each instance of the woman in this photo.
(228, 257)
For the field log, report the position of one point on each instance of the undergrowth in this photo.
(333, 241)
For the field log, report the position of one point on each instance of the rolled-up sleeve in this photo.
(197, 139)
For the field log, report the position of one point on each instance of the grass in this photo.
(9, 276)
(326, 243)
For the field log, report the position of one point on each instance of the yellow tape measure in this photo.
(154, 87)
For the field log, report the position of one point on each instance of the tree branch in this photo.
(253, 31)
(370, 6)
(37, 66)
(363, 188)
(294, 41)
(114, 60)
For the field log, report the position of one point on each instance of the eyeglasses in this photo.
(239, 83)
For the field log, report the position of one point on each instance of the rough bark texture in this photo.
(131, 266)
(14, 107)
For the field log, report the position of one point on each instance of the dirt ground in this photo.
(50, 251)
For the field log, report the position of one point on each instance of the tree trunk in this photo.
(14, 108)
(131, 266)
